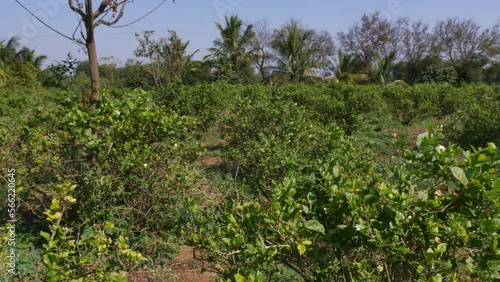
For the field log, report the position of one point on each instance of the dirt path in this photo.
(184, 268)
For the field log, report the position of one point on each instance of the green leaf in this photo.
(115, 277)
(238, 240)
(45, 235)
(336, 170)
(399, 217)
(311, 198)
(422, 196)
(482, 158)
(492, 148)
(301, 248)
(459, 174)
(54, 205)
(441, 248)
(306, 242)
(314, 225)
(232, 219)
(239, 278)
(437, 278)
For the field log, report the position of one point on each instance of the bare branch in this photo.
(117, 18)
(102, 8)
(75, 9)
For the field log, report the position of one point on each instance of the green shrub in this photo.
(129, 159)
(205, 102)
(271, 137)
(439, 74)
(434, 217)
(478, 119)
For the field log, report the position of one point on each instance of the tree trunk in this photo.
(94, 74)
(93, 63)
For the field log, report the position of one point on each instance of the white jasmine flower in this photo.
(145, 165)
(358, 227)
(440, 148)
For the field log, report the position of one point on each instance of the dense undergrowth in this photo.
(313, 186)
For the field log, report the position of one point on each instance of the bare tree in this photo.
(465, 45)
(372, 35)
(108, 13)
(415, 49)
(416, 41)
(261, 44)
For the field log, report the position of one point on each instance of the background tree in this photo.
(167, 56)
(232, 52)
(415, 50)
(261, 43)
(439, 74)
(300, 51)
(136, 75)
(372, 35)
(8, 50)
(19, 65)
(466, 46)
(108, 69)
(27, 55)
(60, 74)
(178, 62)
(82, 67)
(343, 66)
(384, 67)
(492, 73)
(197, 72)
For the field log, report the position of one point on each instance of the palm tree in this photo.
(8, 50)
(232, 49)
(299, 50)
(290, 46)
(343, 66)
(27, 55)
(384, 66)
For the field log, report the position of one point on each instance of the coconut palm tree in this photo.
(384, 66)
(8, 49)
(299, 50)
(27, 55)
(343, 66)
(232, 50)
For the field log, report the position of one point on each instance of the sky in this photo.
(194, 20)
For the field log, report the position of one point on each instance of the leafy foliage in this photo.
(440, 74)
(292, 196)
(299, 50)
(432, 217)
(231, 53)
(130, 162)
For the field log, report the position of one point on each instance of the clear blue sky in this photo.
(194, 19)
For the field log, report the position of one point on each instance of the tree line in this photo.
(372, 50)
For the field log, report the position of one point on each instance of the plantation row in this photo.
(298, 192)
